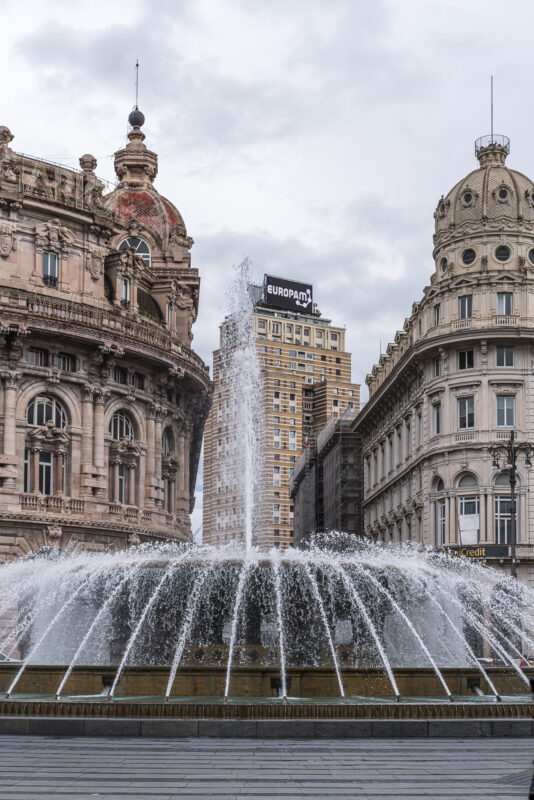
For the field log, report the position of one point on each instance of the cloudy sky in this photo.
(313, 136)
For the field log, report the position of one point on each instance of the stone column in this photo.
(35, 469)
(10, 413)
(452, 519)
(115, 481)
(187, 447)
(59, 472)
(483, 532)
(87, 426)
(132, 468)
(98, 449)
(158, 499)
(150, 455)
(522, 533)
(433, 527)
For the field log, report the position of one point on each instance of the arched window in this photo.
(47, 447)
(139, 246)
(439, 486)
(123, 460)
(468, 480)
(502, 509)
(167, 443)
(468, 510)
(121, 427)
(42, 409)
(169, 466)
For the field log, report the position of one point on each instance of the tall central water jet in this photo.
(242, 461)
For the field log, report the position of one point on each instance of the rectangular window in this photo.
(292, 365)
(505, 356)
(122, 484)
(436, 413)
(441, 522)
(504, 304)
(66, 362)
(169, 314)
(466, 359)
(45, 473)
(50, 269)
(139, 380)
(276, 327)
(292, 354)
(333, 337)
(505, 411)
(437, 314)
(466, 306)
(436, 366)
(466, 413)
(120, 375)
(37, 357)
(124, 286)
(503, 520)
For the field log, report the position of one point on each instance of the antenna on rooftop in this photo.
(137, 87)
(491, 104)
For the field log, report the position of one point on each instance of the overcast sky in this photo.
(313, 136)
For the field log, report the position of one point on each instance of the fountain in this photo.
(346, 628)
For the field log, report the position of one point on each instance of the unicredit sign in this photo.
(289, 295)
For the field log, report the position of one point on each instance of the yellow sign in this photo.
(480, 551)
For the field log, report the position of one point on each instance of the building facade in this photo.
(103, 401)
(459, 377)
(326, 485)
(306, 378)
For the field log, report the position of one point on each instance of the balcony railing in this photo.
(110, 320)
(50, 502)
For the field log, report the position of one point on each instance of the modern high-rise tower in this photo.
(306, 380)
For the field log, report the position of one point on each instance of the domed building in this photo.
(103, 400)
(458, 379)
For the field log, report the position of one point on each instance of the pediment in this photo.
(506, 277)
(463, 282)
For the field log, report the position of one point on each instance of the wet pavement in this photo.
(74, 768)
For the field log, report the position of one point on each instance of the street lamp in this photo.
(511, 451)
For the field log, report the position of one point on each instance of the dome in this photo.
(149, 209)
(491, 199)
(136, 201)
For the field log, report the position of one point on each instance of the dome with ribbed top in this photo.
(492, 205)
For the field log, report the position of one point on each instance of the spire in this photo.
(135, 164)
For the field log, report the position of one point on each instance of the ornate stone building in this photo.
(460, 376)
(103, 401)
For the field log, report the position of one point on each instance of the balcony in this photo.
(465, 436)
(50, 281)
(56, 310)
(460, 324)
(51, 503)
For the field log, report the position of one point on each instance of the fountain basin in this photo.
(303, 683)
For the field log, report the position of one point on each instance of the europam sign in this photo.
(289, 295)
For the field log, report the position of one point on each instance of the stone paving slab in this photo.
(39, 767)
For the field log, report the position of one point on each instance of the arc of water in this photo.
(47, 631)
(368, 621)
(238, 597)
(278, 596)
(499, 648)
(186, 626)
(464, 641)
(139, 625)
(91, 628)
(18, 632)
(410, 625)
(319, 599)
(476, 620)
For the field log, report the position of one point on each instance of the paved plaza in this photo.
(42, 767)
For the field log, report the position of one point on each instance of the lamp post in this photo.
(511, 452)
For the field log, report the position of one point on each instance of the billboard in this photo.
(289, 295)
